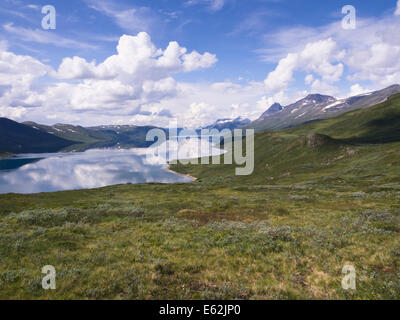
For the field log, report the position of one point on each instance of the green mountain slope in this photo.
(377, 124)
(19, 138)
(316, 107)
(361, 146)
(313, 204)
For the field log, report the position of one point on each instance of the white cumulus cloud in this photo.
(320, 57)
(17, 74)
(138, 74)
(137, 81)
(137, 58)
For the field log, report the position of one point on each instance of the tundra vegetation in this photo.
(322, 196)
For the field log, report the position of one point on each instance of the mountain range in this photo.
(317, 107)
(321, 194)
(229, 124)
(360, 146)
(20, 138)
(31, 137)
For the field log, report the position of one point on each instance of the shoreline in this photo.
(6, 155)
(181, 174)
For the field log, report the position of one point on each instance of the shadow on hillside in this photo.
(381, 130)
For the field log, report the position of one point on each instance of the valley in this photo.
(30, 137)
(323, 195)
(200, 158)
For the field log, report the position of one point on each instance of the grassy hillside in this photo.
(378, 124)
(314, 204)
(360, 146)
(318, 107)
(19, 138)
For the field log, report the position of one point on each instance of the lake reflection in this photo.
(32, 173)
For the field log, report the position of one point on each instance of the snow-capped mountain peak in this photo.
(317, 107)
(228, 123)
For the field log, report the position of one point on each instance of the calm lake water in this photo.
(33, 173)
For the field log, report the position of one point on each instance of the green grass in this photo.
(378, 124)
(202, 240)
(313, 205)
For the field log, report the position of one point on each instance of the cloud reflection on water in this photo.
(90, 169)
(98, 168)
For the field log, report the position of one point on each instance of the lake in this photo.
(33, 173)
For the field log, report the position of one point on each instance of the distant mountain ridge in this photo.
(317, 107)
(31, 137)
(107, 136)
(20, 138)
(378, 124)
(228, 123)
(363, 144)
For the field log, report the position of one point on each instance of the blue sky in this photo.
(242, 65)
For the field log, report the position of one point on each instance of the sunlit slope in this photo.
(358, 147)
(377, 124)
